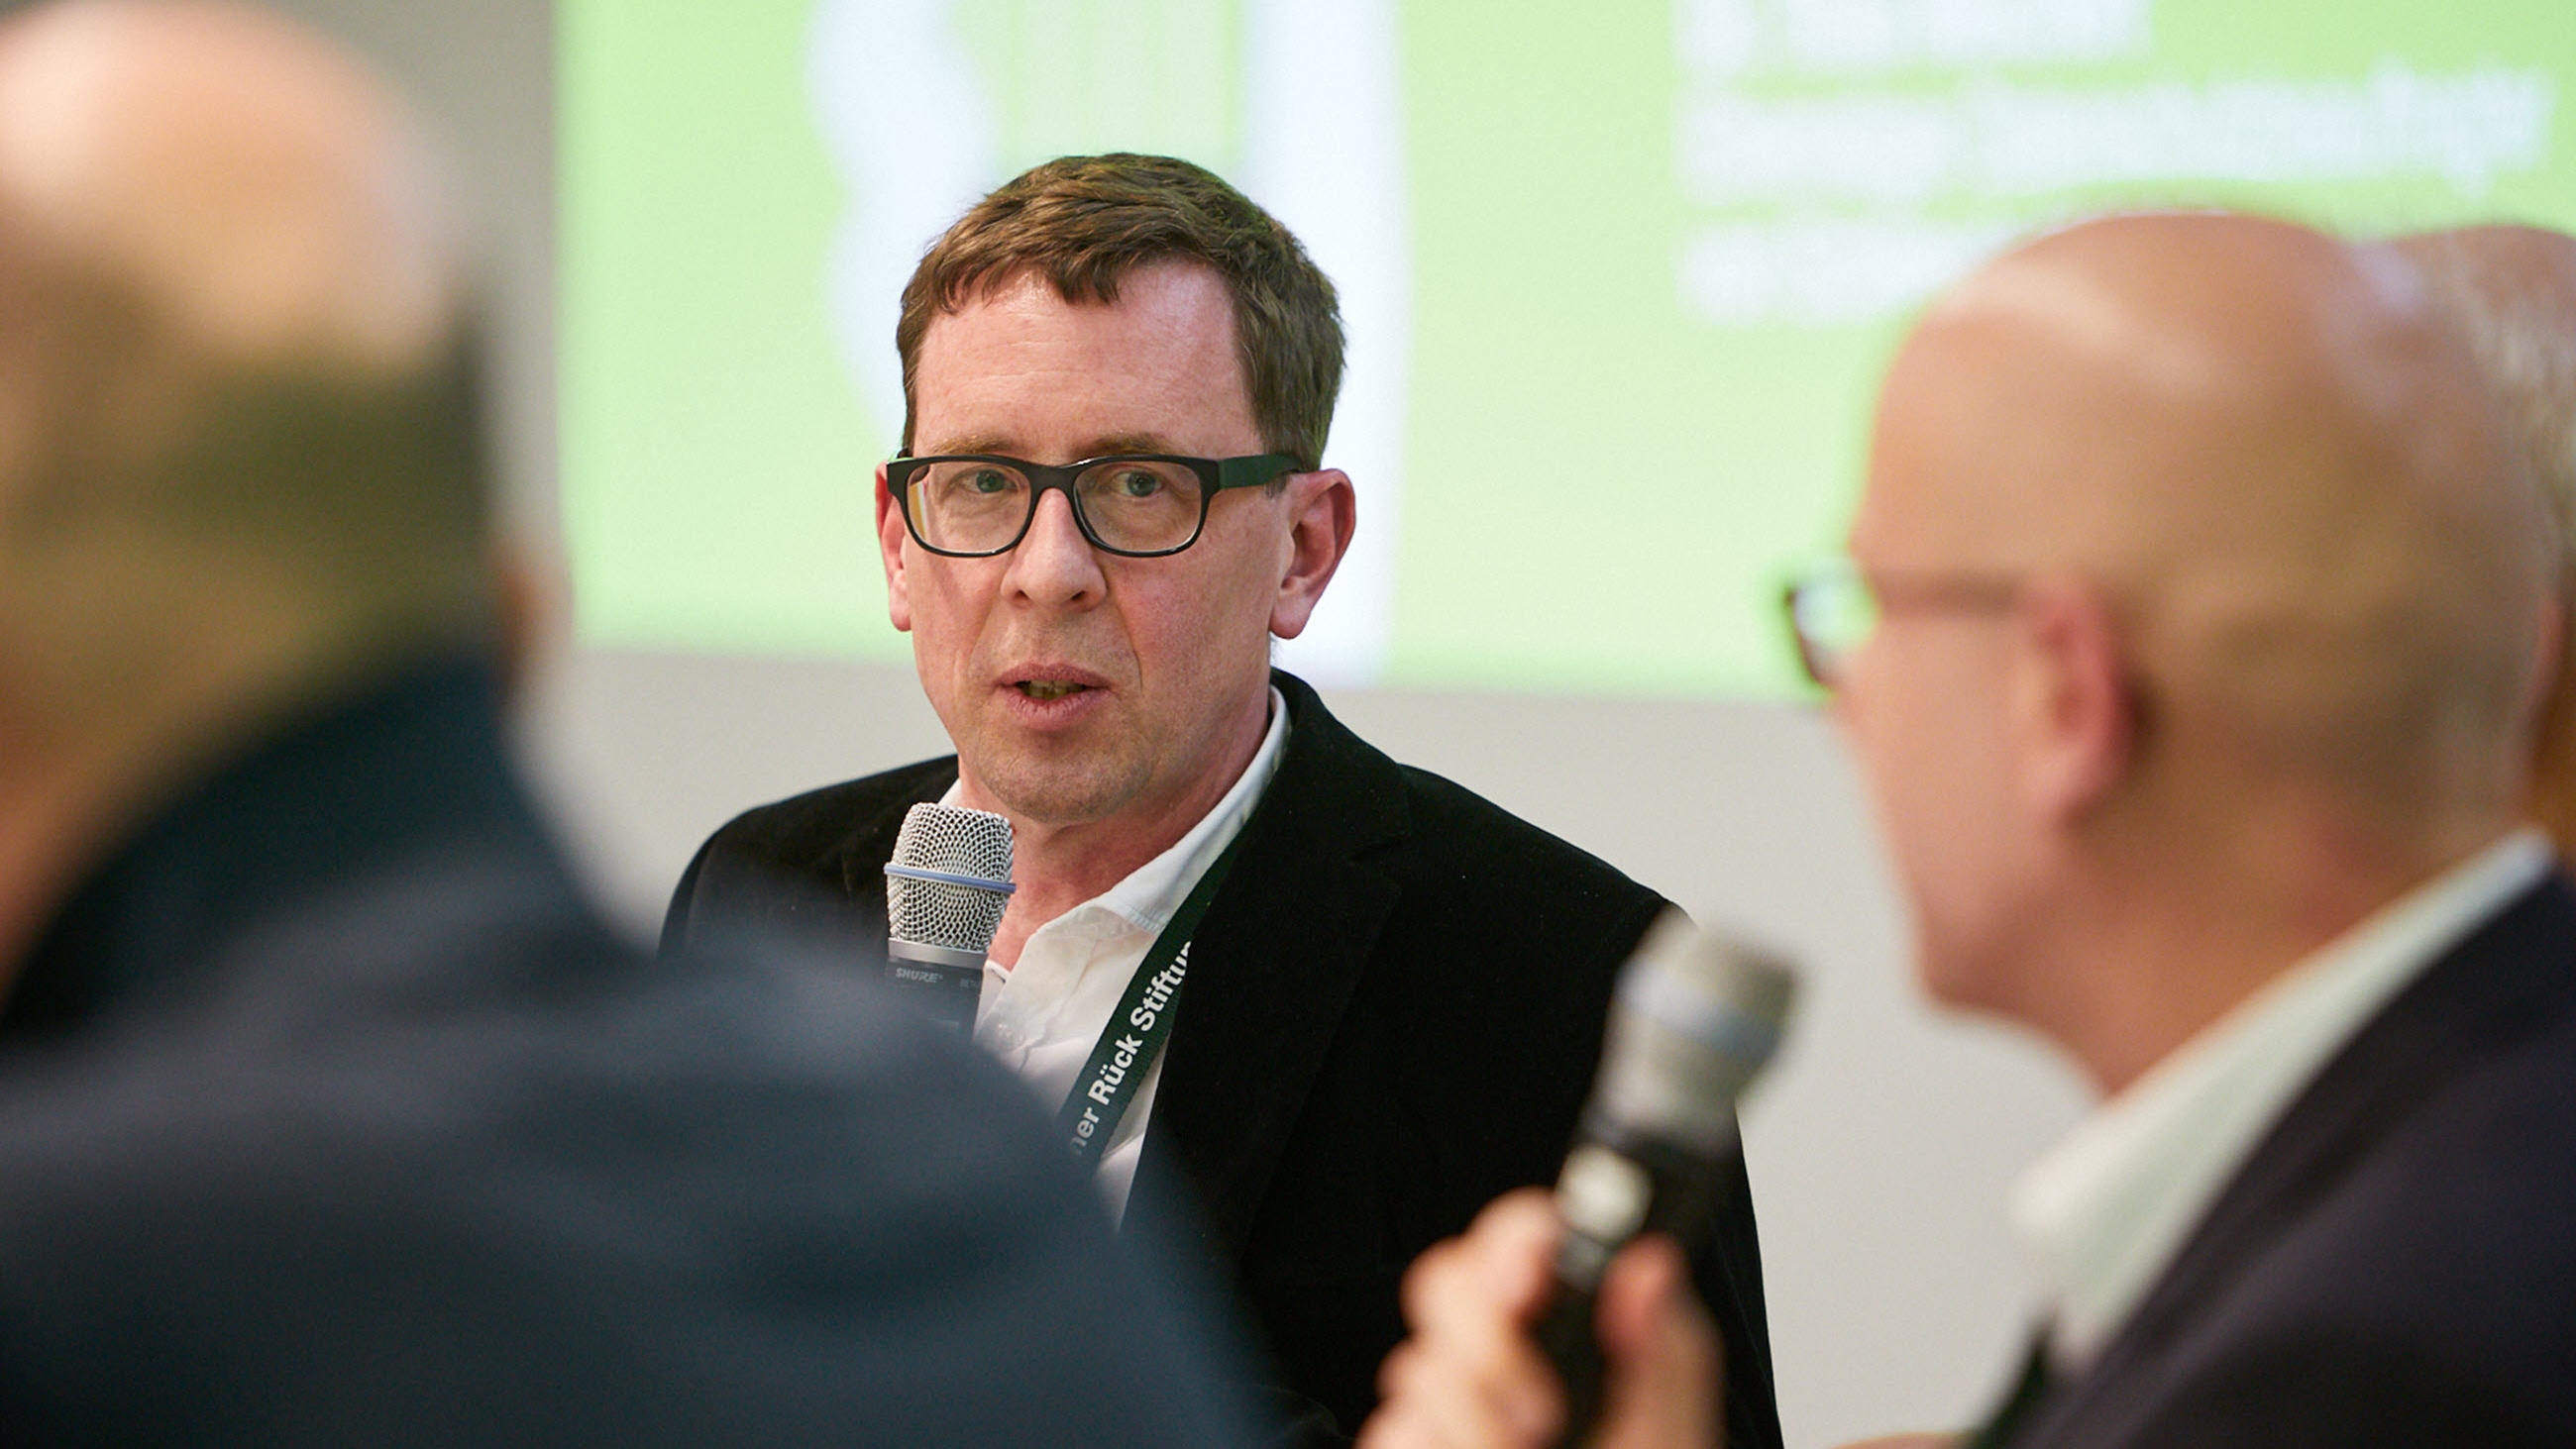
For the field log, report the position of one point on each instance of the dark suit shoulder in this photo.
(2437, 1289)
(1449, 843)
(1397, 1017)
(1492, 969)
(2456, 1106)
(1501, 927)
(1487, 846)
(503, 1180)
(804, 865)
(2429, 1301)
(804, 832)
(2392, 1264)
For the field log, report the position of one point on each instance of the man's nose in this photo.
(1054, 564)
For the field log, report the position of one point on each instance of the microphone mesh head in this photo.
(953, 841)
(1695, 1020)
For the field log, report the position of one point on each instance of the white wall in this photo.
(1880, 1149)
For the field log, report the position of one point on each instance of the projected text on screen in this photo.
(1618, 279)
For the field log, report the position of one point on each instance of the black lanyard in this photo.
(1137, 1029)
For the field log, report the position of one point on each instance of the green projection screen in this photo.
(1619, 277)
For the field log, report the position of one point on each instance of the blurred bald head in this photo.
(2269, 453)
(236, 421)
(239, 463)
(2512, 290)
(2278, 591)
(265, 197)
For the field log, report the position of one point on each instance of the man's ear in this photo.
(2074, 713)
(890, 536)
(1322, 512)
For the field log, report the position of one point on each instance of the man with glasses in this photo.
(1110, 499)
(2197, 620)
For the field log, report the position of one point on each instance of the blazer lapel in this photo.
(2509, 978)
(1272, 968)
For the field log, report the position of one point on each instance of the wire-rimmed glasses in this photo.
(1833, 607)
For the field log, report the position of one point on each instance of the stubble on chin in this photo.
(1056, 788)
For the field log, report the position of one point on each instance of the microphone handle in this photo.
(944, 992)
(1683, 1186)
(1564, 1334)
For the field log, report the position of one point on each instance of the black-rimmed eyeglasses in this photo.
(1144, 505)
(1834, 607)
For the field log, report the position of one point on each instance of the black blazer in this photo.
(1394, 1010)
(2395, 1264)
(329, 1115)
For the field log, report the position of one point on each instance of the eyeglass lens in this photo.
(1833, 614)
(1131, 504)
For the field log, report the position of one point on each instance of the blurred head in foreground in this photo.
(239, 463)
(330, 1113)
(2513, 291)
(2211, 604)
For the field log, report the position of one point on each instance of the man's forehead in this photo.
(1905, 522)
(255, 186)
(2017, 416)
(1159, 288)
(1023, 370)
(1933, 426)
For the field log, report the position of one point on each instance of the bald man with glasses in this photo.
(2198, 620)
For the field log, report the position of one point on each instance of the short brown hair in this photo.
(1085, 222)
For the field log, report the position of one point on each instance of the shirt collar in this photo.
(2105, 1210)
(1147, 897)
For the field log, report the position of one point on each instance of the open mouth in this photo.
(1044, 689)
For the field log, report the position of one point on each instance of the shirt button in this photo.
(1007, 1037)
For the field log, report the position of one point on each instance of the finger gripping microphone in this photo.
(946, 887)
(1694, 1020)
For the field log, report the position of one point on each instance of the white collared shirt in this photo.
(1042, 1016)
(2107, 1208)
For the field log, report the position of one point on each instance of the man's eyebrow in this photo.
(1120, 443)
(1110, 446)
(993, 443)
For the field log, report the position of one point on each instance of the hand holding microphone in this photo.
(1695, 1020)
(1503, 1350)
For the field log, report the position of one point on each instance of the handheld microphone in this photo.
(946, 887)
(1694, 1020)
